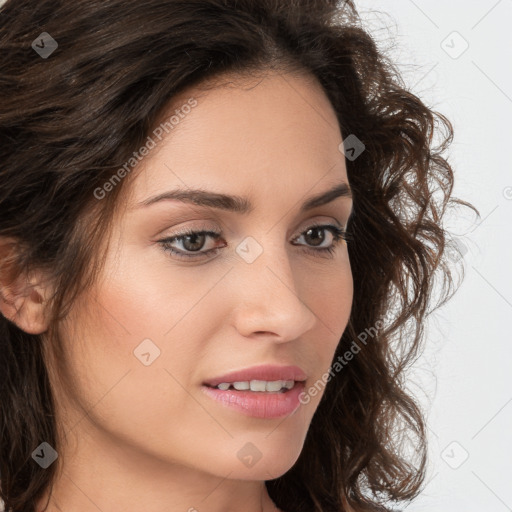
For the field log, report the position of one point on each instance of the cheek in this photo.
(136, 309)
(144, 296)
(120, 393)
(329, 294)
(146, 305)
(331, 302)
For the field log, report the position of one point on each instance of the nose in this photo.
(269, 299)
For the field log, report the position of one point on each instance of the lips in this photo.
(265, 372)
(262, 405)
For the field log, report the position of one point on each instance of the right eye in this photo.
(193, 239)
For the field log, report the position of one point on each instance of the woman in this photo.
(219, 220)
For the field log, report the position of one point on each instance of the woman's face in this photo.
(142, 343)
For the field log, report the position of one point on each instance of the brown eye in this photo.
(191, 241)
(314, 240)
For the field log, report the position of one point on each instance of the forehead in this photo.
(275, 134)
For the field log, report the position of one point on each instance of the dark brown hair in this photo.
(68, 121)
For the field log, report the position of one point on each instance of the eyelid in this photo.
(325, 219)
(213, 226)
(338, 233)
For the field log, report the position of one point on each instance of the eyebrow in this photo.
(239, 204)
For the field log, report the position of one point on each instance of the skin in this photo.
(144, 437)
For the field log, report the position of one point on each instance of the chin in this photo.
(272, 463)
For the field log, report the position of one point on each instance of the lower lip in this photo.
(259, 404)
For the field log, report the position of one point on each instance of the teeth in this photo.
(258, 385)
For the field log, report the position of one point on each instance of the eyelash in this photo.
(338, 234)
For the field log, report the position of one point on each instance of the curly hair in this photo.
(67, 121)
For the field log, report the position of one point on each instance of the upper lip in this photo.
(267, 372)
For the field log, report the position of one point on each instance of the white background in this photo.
(464, 379)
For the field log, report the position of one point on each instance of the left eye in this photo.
(193, 241)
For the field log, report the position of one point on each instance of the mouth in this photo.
(256, 398)
(262, 391)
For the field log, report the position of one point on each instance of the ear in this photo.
(23, 298)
